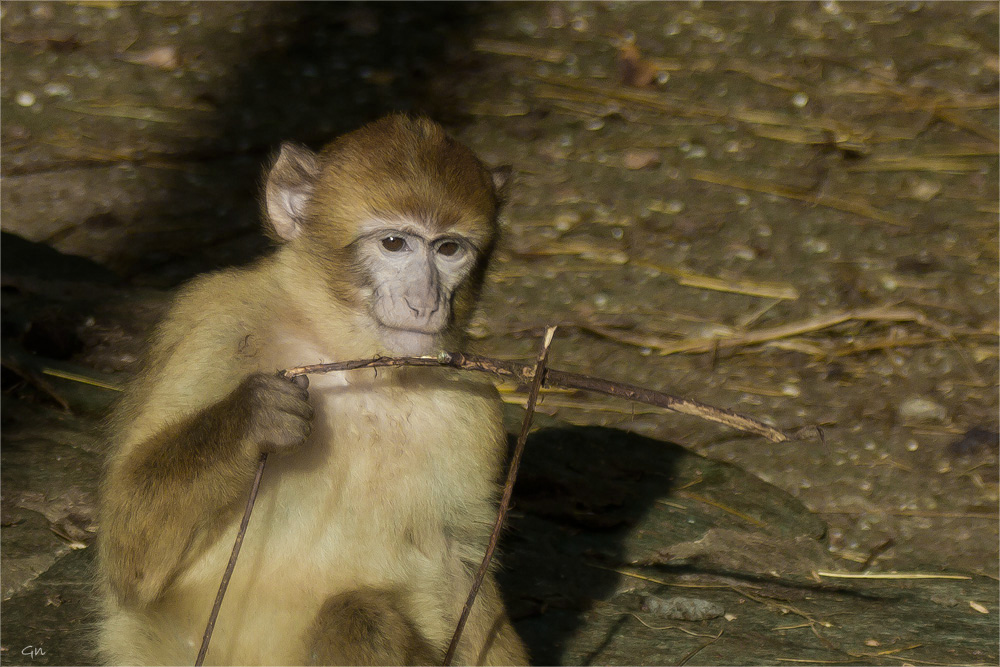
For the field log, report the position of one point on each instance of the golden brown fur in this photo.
(376, 508)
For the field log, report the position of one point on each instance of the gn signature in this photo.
(32, 651)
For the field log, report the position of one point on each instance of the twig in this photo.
(35, 381)
(536, 374)
(661, 582)
(82, 379)
(992, 516)
(508, 489)
(210, 626)
(562, 379)
(817, 323)
(685, 278)
(691, 654)
(856, 206)
(875, 553)
(889, 575)
(724, 508)
(505, 48)
(670, 627)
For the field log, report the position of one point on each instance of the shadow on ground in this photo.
(579, 492)
(162, 200)
(313, 71)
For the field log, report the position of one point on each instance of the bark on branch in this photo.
(525, 373)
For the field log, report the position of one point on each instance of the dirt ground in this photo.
(787, 209)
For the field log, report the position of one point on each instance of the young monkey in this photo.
(376, 504)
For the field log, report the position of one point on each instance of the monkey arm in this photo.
(169, 488)
(188, 434)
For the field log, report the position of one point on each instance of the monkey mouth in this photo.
(426, 330)
(429, 326)
(410, 342)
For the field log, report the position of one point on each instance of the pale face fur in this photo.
(395, 487)
(413, 272)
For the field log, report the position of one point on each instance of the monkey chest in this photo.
(395, 463)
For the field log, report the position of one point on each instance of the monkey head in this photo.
(399, 218)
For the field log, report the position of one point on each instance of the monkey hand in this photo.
(277, 412)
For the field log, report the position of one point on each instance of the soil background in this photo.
(786, 209)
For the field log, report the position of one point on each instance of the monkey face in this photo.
(412, 272)
(401, 217)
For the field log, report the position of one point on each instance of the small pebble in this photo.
(944, 600)
(790, 389)
(673, 207)
(815, 246)
(924, 189)
(799, 100)
(744, 252)
(697, 152)
(160, 57)
(25, 98)
(922, 409)
(566, 220)
(640, 158)
(56, 90)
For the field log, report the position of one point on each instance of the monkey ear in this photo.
(290, 184)
(502, 177)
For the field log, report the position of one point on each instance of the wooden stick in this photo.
(231, 565)
(561, 379)
(506, 369)
(538, 374)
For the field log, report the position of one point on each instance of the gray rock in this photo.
(682, 609)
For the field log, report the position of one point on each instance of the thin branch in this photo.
(538, 373)
(889, 575)
(210, 626)
(686, 658)
(562, 379)
(35, 381)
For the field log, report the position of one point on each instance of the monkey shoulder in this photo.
(207, 342)
(219, 315)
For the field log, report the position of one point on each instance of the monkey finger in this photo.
(298, 386)
(300, 381)
(284, 435)
(278, 390)
(292, 436)
(298, 405)
(300, 410)
(297, 431)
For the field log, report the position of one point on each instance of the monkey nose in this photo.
(422, 311)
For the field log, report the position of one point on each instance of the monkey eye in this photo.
(393, 243)
(448, 248)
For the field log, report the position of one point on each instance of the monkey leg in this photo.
(367, 627)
